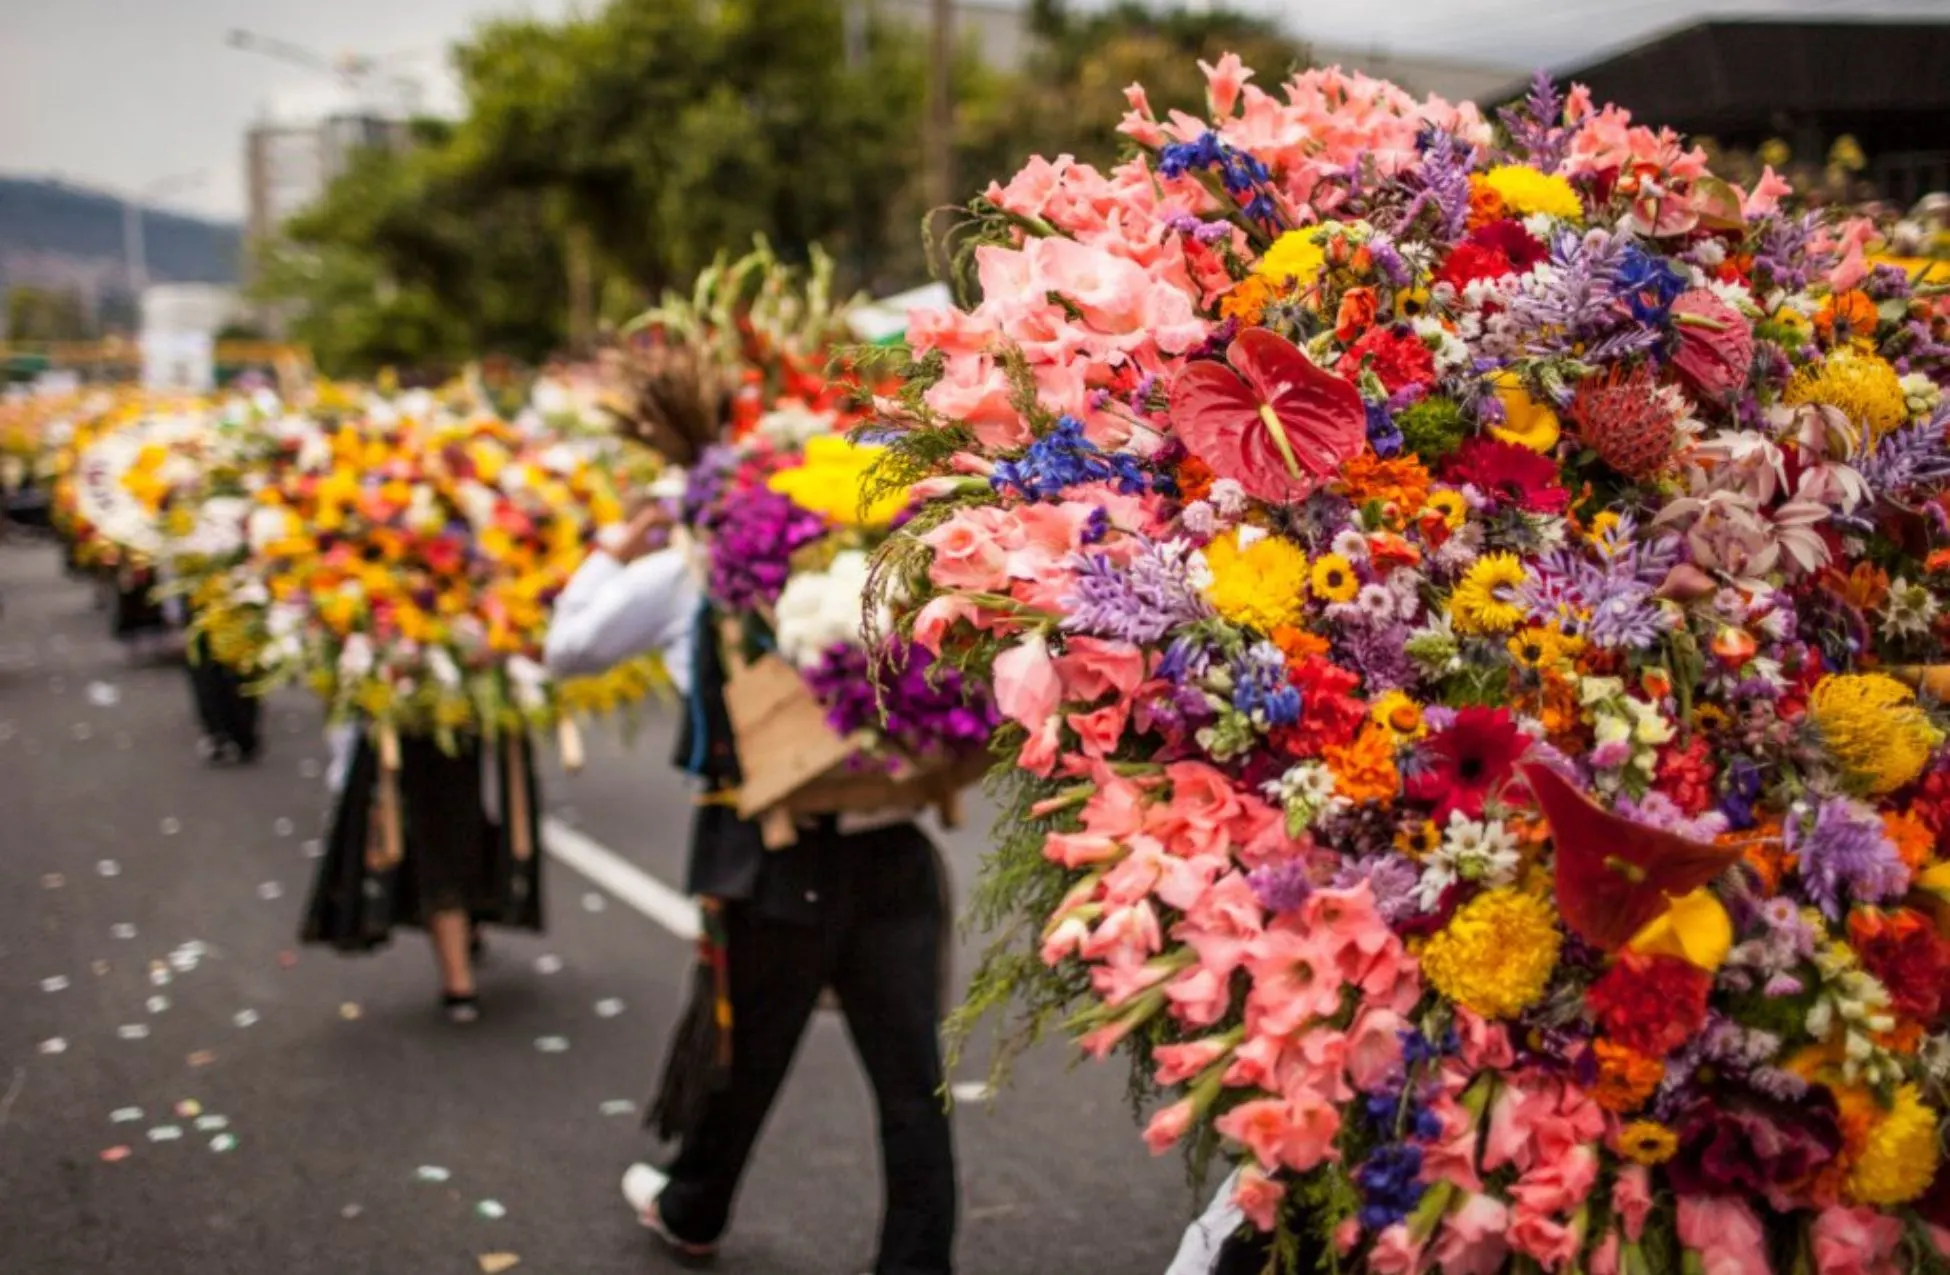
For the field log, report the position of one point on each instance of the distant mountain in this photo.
(56, 235)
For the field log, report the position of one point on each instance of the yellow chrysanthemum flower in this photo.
(1334, 579)
(1526, 421)
(1482, 601)
(1524, 190)
(1900, 1157)
(1862, 387)
(1400, 714)
(1496, 954)
(1873, 728)
(1261, 586)
(833, 482)
(1294, 255)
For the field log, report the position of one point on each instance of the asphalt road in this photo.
(185, 1091)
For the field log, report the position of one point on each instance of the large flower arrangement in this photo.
(783, 515)
(25, 445)
(88, 459)
(1458, 594)
(402, 566)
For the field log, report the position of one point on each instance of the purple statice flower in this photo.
(1444, 175)
(925, 711)
(1379, 652)
(1393, 879)
(752, 543)
(1281, 887)
(1141, 601)
(1912, 457)
(1886, 283)
(705, 481)
(1783, 259)
(1576, 300)
(1388, 259)
(1537, 126)
(1845, 855)
(1657, 810)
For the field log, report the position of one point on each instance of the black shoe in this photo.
(476, 946)
(461, 1009)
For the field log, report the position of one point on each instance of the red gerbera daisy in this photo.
(1466, 762)
(1510, 475)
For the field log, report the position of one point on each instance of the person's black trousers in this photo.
(878, 946)
(226, 713)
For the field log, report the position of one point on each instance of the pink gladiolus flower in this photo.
(1374, 1055)
(1604, 1255)
(1725, 1233)
(1559, 1186)
(1452, 1156)
(1552, 1243)
(1855, 1241)
(1298, 1135)
(1631, 1198)
(1258, 1197)
(1294, 979)
(968, 551)
(973, 391)
(1168, 1125)
(1128, 931)
(1485, 1044)
(1026, 689)
(1039, 752)
(1473, 1241)
(1125, 977)
(1396, 1252)
(1223, 82)
(1198, 997)
(1101, 730)
(1064, 939)
(1177, 1064)
(1221, 924)
(1767, 195)
(940, 615)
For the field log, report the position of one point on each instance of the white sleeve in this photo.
(610, 613)
(1198, 1252)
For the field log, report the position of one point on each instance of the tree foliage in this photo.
(606, 157)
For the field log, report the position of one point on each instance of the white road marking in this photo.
(971, 1091)
(629, 883)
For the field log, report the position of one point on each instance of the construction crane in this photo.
(362, 75)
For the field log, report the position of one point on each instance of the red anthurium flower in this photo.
(1615, 876)
(1272, 422)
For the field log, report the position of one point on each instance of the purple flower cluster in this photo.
(752, 544)
(1845, 854)
(925, 711)
(1138, 602)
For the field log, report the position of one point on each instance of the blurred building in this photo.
(999, 29)
(1795, 89)
(288, 165)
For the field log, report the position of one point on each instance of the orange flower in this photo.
(1764, 850)
(1865, 588)
(1847, 317)
(1386, 551)
(1194, 478)
(1485, 205)
(1400, 486)
(1248, 299)
(1914, 841)
(1297, 644)
(1560, 712)
(1626, 1078)
(1356, 314)
(1364, 770)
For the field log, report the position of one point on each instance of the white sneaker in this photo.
(642, 1184)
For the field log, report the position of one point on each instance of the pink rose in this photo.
(968, 552)
(1855, 1241)
(1102, 730)
(1026, 689)
(1092, 667)
(1472, 1240)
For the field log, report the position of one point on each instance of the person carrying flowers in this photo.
(856, 902)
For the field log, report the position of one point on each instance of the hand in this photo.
(644, 532)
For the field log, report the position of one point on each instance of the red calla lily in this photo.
(1273, 422)
(1614, 876)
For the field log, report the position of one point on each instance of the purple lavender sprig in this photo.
(1536, 127)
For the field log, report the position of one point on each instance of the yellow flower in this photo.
(1526, 421)
(1524, 190)
(1533, 648)
(1496, 954)
(1862, 387)
(1419, 840)
(1646, 1142)
(1334, 579)
(1294, 255)
(1900, 1157)
(1400, 714)
(1452, 505)
(833, 481)
(1872, 726)
(1481, 603)
(1694, 928)
(1261, 586)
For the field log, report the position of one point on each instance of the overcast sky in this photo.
(130, 94)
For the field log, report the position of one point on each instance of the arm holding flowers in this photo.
(624, 601)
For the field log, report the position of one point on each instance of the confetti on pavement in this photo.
(56, 983)
(608, 1007)
(166, 1133)
(548, 963)
(244, 1017)
(108, 868)
(491, 1209)
(156, 1004)
(618, 1107)
(171, 825)
(210, 1124)
(431, 1173)
(104, 694)
(270, 890)
(122, 930)
(54, 1045)
(53, 881)
(284, 827)
(82, 731)
(202, 1058)
(133, 1031)
(125, 1115)
(552, 1044)
(224, 1142)
(112, 1155)
(593, 902)
(350, 1011)
(495, 1263)
(189, 1107)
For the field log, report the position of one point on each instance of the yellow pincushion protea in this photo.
(1496, 954)
(1862, 387)
(1873, 728)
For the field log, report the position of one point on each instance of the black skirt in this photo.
(136, 610)
(455, 855)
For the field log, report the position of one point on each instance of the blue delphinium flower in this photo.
(1062, 459)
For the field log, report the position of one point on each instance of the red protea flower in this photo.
(1628, 420)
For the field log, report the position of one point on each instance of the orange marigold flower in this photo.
(1297, 644)
(1248, 300)
(1400, 486)
(1485, 205)
(1356, 314)
(1364, 770)
(1387, 551)
(1194, 478)
(1626, 1078)
(1914, 841)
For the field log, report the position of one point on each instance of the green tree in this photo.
(46, 314)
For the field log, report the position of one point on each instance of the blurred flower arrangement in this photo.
(401, 561)
(1465, 600)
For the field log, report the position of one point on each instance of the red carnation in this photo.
(1686, 775)
(1903, 951)
(1652, 1004)
(1510, 475)
(1518, 246)
(1466, 762)
(1398, 359)
(1328, 714)
(1470, 262)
